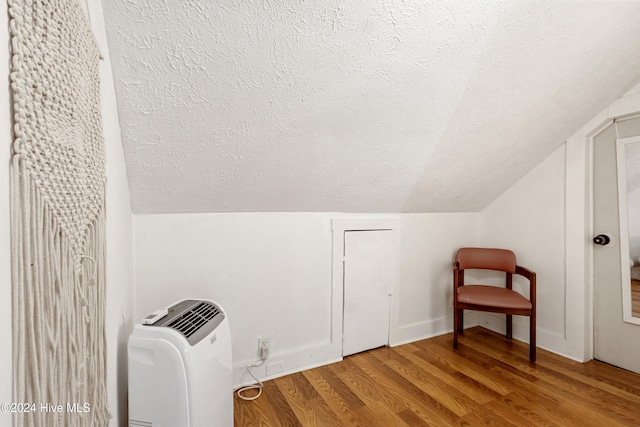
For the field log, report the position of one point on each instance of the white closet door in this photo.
(367, 289)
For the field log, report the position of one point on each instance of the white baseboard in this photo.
(429, 329)
(291, 362)
(545, 339)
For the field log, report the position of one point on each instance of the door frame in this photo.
(338, 227)
(622, 108)
(577, 342)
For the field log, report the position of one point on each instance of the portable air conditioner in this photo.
(180, 371)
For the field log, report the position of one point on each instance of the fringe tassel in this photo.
(59, 342)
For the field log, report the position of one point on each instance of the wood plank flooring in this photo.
(488, 381)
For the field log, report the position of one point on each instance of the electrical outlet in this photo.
(264, 346)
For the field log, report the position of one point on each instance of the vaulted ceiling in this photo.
(356, 106)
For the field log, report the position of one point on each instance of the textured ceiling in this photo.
(359, 106)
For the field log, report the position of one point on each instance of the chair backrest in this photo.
(487, 259)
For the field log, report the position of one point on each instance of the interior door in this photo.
(367, 289)
(615, 341)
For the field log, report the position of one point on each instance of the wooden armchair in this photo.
(492, 298)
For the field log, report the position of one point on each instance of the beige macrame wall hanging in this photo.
(58, 217)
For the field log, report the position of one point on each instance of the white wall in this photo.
(272, 273)
(428, 246)
(633, 90)
(529, 219)
(119, 234)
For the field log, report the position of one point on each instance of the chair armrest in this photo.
(523, 271)
(457, 275)
(531, 276)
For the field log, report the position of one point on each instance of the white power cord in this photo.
(258, 386)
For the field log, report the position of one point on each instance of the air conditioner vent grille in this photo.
(192, 320)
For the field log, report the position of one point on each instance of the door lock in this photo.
(602, 239)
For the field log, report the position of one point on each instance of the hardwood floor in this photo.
(488, 381)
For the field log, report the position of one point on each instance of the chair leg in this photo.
(461, 322)
(509, 326)
(456, 319)
(532, 338)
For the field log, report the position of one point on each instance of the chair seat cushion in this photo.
(492, 296)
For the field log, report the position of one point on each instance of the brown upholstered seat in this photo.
(492, 298)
